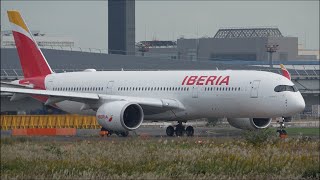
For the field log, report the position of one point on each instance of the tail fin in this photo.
(285, 72)
(32, 60)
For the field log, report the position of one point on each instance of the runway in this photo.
(159, 132)
(144, 132)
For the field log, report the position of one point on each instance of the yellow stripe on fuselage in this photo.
(15, 17)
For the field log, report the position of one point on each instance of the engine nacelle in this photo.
(120, 116)
(250, 123)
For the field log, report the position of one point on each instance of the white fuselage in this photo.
(243, 94)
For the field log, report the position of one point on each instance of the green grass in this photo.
(172, 158)
(303, 131)
(296, 131)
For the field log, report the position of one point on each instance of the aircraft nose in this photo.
(299, 103)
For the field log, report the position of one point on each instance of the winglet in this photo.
(32, 60)
(285, 72)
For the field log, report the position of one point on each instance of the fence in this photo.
(48, 121)
(89, 122)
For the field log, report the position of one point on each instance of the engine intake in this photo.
(120, 116)
(249, 123)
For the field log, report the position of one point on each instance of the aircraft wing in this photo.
(9, 84)
(155, 104)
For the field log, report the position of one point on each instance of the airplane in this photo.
(122, 100)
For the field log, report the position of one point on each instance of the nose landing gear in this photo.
(179, 130)
(282, 133)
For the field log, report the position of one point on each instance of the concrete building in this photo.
(247, 44)
(309, 54)
(158, 49)
(121, 28)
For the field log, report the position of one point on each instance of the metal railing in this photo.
(11, 74)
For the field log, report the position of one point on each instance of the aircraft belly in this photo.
(73, 107)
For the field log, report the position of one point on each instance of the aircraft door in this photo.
(195, 92)
(255, 89)
(109, 87)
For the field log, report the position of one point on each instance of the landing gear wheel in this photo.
(189, 131)
(124, 134)
(170, 131)
(104, 132)
(110, 133)
(282, 133)
(180, 130)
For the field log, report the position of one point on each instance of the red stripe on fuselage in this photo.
(38, 83)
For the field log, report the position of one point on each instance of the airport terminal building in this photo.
(246, 44)
(231, 44)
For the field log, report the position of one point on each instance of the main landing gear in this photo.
(105, 132)
(180, 130)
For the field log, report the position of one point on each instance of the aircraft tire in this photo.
(189, 131)
(180, 130)
(170, 131)
(124, 134)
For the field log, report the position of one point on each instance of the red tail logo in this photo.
(285, 72)
(32, 60)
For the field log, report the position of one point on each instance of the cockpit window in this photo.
(281, 88)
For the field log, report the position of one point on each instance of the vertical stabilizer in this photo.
(285, 72)
(32, 60)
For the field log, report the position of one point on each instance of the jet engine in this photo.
(120, 116)
(249, 123)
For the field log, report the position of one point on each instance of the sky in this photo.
(87, 21)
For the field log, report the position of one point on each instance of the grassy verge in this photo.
(178, 158)
(303, 131)
(298, 131)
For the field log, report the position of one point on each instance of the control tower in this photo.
(121, 27)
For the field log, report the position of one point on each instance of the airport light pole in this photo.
(271, 48)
